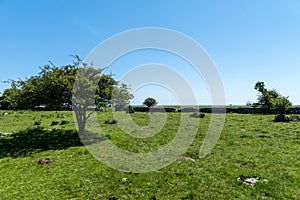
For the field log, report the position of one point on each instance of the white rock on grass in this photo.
(250, 181)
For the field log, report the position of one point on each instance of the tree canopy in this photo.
(149, 102)
(52, 89)
(121, 97)
(271, 100)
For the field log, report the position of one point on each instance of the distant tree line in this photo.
(52, 87)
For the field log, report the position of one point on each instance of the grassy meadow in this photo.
(250, 145)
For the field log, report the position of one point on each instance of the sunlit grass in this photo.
(250, 145)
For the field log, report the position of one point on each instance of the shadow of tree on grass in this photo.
(33, 140)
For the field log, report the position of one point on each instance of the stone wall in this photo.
(241, 110)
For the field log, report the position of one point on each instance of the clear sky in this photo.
(248, 41)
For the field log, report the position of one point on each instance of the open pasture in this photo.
(250, 145)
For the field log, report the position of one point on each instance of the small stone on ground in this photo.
(187, 158)
(43, 161)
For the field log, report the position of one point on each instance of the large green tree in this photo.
(52, 88)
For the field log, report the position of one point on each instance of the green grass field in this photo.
(250, 145)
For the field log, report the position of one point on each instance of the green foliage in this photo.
(52, 89)
(260, 86)
(141, 108)
(104, 91)
(149, 102)
(121, 97)
(282, 118)
(286, 118)
(54, 85)
(108, 121)
(11, 97)
(281, 105)
(271, 100)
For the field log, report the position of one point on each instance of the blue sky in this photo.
(247, 40)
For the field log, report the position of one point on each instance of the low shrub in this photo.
(113, 121)
(141, 109)
(153, 109)
(286, 118)
(37, 122)
(294, 118)
(281, 118)
(170, 109)
(53, 123)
